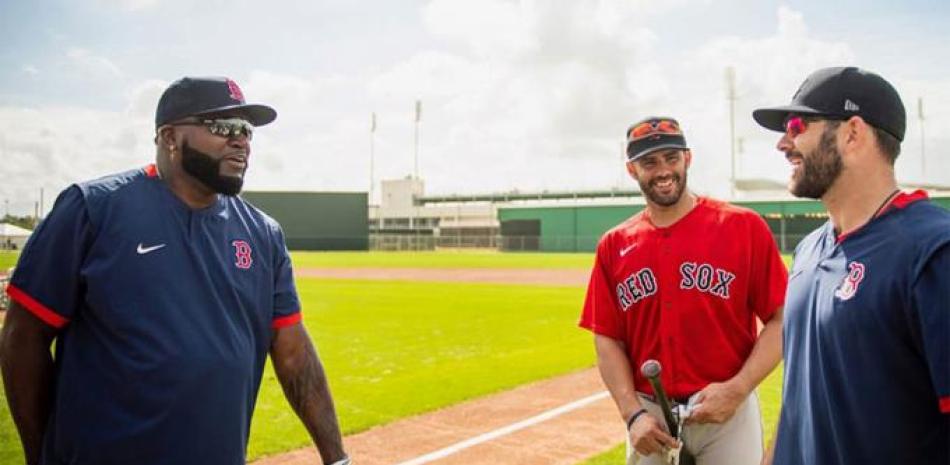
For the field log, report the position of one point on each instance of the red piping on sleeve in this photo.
(151, 170)
(41, 311)
(945, 404)
(286, 321)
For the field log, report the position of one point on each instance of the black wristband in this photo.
(634, 417)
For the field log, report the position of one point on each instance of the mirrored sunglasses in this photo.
(224, 127)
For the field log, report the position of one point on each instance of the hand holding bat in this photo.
(651, 370)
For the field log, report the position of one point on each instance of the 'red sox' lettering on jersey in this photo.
(636, 287)
(706, 278)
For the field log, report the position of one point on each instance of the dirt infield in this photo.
(522, 426)
(538, 277)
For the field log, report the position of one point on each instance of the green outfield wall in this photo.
(569, 228)
(577, 228)
(318, 220)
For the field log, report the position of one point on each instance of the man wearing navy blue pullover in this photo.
(867, 312)
(164, 292)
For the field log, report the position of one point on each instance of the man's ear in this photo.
(165, 136)
(858, 130)
(632, 170)
(687, 157)
(857, 136)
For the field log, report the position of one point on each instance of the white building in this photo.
(408, 219)
(13, 237)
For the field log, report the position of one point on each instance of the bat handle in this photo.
(664, 403)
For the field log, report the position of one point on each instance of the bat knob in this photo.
(651, 368)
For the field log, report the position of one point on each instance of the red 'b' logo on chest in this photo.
(242, 253)
(236, 93)
(851, 282)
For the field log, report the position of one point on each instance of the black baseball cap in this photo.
(659, 132)
(199, 96)
(842, 92)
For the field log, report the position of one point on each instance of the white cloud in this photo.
(541, 86)
(522, 95)
(767, 72)
(52, 147)
(92, 65)
(490, 28)
(142, 99)
(30, 70)
(131, 5)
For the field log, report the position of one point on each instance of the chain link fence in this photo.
(530, 243)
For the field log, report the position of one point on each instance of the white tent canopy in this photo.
(9, 230)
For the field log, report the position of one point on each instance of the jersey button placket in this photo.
(669, 319)
(671, 311)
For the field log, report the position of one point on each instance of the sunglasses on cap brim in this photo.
(652, 128)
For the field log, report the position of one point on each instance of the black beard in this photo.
(820, 170)
(664, 201)
(207, 170)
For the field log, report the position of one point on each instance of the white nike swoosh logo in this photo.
(144, 250)
(627, 249)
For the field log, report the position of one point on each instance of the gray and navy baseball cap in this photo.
(199, 96)
(654, 133)
(842, 92)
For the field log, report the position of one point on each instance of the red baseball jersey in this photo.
(686, 295)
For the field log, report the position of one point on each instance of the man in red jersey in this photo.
(684, 282)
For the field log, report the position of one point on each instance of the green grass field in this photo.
(450, 259)
(8, 259)
(10, 451)
(394, 349)
(446, 259)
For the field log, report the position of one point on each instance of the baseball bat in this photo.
(651, 370)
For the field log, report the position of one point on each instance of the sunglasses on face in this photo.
(649, 128)
(224, 127)
(796, 125)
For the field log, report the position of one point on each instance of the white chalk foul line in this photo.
(485, 437)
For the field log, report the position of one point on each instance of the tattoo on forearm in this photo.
(308, 393)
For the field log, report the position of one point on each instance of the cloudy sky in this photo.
(525, 95)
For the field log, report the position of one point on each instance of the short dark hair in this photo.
(889, 145)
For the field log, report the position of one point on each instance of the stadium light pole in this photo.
(923, 153)
(731, 96)
(372, 156)
(415, 170)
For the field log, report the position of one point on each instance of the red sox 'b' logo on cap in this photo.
(236, 93)
(851, 282)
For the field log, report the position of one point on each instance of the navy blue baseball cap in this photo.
(200, 96)
(842, 92)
